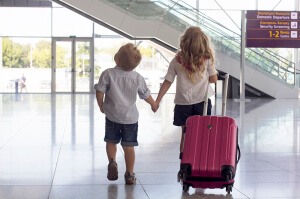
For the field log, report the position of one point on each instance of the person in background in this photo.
(23, 83)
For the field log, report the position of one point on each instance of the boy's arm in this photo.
(154, 105)
(162, 91)
(100, 96)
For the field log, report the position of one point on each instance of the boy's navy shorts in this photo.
(126, 133)
(182, 112)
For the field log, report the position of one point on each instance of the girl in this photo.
(194, 66)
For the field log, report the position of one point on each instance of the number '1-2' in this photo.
(276, 35)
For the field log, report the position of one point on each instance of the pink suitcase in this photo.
(211, 152)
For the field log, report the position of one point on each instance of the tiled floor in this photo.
(51, 146)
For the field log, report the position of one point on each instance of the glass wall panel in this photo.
(105, 49)
(271, 4)
(100, 30)
(63, 68)
(82, 67)
(33, 22)
(286, 5)
(237, 5)
(203, 4)
(30, 57)
(67, 23)
(192, 3)
(154, 66)
(56, 5)
(233, 23)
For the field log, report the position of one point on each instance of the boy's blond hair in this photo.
(129, 56)
(195, 49)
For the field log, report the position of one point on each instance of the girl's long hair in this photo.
(195, 49)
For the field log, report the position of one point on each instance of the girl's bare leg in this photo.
(182, 139)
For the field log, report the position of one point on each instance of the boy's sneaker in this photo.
(130, 179)
(112, 168)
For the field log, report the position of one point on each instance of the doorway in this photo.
(72, 65)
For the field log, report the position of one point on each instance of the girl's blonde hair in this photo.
(195, 49)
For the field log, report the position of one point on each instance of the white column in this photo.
(0, 52)
(242, 59)
(243, 47)
(31, 55)
(197, 7)
(296, 58)
(92, 61)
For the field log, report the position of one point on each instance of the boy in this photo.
(121, 86)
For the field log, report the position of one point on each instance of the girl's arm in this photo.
(163, 89)
(213, 78)
(99, 96)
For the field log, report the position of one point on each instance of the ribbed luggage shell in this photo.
(210, 143)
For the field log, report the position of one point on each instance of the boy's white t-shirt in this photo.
(187, 91)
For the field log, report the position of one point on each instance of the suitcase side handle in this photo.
(238, 154)
(224, 102)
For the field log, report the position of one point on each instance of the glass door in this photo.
(82, 66)
(71, 65)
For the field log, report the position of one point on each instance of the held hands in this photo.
(154, 106)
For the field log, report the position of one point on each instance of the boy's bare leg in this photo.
(129, 159)
(111, 150)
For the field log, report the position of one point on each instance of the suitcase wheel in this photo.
(179, 176)
(185, 170)
(184, 176)
(185, 188)
(180, 155)
(229, 189)
(227, 172)
(228, 176)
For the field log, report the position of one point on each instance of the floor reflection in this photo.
(51, 145)
(200, 193)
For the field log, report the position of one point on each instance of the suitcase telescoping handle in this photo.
(224, 101)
